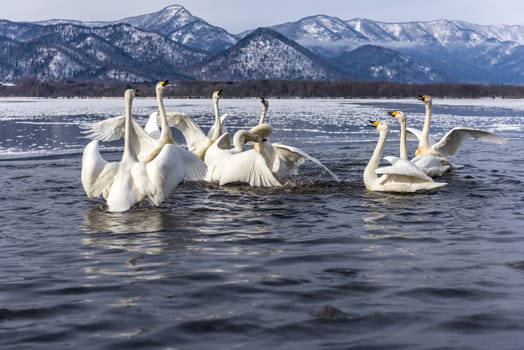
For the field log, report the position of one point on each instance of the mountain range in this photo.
(172, 43)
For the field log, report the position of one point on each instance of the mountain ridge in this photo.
(176, 43)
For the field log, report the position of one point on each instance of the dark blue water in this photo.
(317, 264)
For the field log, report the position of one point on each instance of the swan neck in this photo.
(129, 152)
(217, 125)
(369, 171)
(263, 115)
(403, 140)
(424, 141)
(237, 140)
(165, 130)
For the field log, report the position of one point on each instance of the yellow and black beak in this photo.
(421, 97)
(393, 114)
(373, 123)
(164, 82)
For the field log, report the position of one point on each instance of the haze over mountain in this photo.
(173, 43)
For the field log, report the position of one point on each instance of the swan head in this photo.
(398, 115)
(425, 98)
(265, 103)
(217, 94)
(160, 86)
(380, 126)
(130, 93)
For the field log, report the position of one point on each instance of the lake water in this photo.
(317, 264)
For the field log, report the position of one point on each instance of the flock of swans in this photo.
(153, 165)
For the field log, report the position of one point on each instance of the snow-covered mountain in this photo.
(69, 51)
(172, 42)
(181, 26)
(461, 51)
(370, 62)
(267, 55)
(176, 23)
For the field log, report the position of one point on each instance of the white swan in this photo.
(431, 165)
(231, 165)
(401, 176)
(451, 141)
(283, 160)
(130, 181)
(198, 142)
(146, 145)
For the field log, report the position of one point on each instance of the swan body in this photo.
(237, 165)
(283, 160)
(401, 176)
(130, 181)
(431, 165)
(451, 141)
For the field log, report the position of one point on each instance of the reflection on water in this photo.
(141, 220)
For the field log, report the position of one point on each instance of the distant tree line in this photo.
(268, 88)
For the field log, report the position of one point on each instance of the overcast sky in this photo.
(238, 15)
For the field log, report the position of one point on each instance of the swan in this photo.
(146, 144)
(129, 181)
(430, 164)
(231, 165)
(236, 164)
(198, 142)
(401, 176)
(283, 160)
(451, 141)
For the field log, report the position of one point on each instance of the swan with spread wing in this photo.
(238, 165)
(130, 181)
(401, 176)
(283, 160)
(146, 145)
(430, 164)
(451, 141)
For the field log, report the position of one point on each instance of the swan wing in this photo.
(104, 182)
(141, 141)
(406, 184)
(392, 159)
(152, 127)
(432, 165)
(195, 168)
(165, 173)
(228, 166)
(403, 167)
(193, 134)
(106, 130)
(416, 134)
(92, 166)
(450, 142)
(113, 129)
(249, 166)
(293, 157)
(223, 130)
